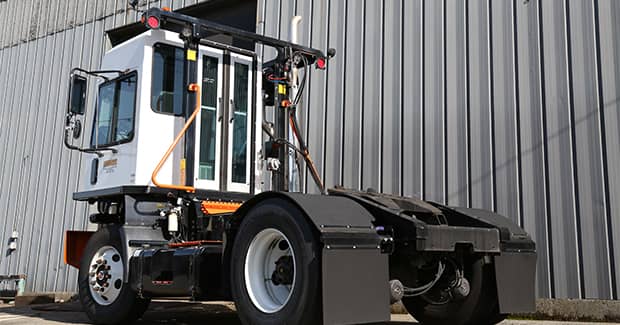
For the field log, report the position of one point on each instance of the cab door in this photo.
(208, 159)
(239, 126)
(224, 124)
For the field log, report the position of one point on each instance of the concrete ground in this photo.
(170, 312)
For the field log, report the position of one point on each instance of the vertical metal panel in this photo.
(40, 161)
(587, 150)
(534, 209)
(332, 147)
(8, 116)
(315, 106)
(434, 101)
(504, 107)
(413, 98)
(457, 113)
(481, 183)
(372, 94)
(608, 29)
(28, 161)
(559, 152)
(391, 147)
(352, 58)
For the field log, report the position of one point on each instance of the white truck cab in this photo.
(139, 112)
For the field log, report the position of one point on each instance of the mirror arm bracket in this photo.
(96, 151)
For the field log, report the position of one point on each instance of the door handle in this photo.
(218, 109)
(231, 111)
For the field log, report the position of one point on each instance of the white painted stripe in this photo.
(12, 318)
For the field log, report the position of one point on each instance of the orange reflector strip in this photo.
(217, 207)
(75, 242)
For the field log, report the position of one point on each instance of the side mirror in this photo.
(77, 95)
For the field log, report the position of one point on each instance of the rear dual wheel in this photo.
(275, 267)
(480, 307)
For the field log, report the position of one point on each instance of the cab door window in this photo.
(240, 123)
(208, 118)
(114, 117)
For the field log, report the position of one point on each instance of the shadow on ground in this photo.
(159, 312)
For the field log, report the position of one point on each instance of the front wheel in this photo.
(275, 267)
(105, 296)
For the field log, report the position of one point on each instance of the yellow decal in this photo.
(182, 171)
(191, 55)
(281, 89)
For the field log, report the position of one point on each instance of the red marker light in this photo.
(152, 22)
(321, 63)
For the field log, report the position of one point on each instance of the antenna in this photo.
(133, 3)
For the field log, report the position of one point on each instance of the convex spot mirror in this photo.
(77, 95)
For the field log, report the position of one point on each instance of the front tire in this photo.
(276, 267)
(105, 296)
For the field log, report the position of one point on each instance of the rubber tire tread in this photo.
(480, 307)
(303, 307)
(128, 307)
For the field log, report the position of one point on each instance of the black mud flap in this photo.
(355, 273)
(355, 287)
(515, 274)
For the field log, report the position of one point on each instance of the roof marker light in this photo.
(321, 63)
(152, 22)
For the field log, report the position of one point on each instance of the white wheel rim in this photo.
(105, 275)
(260, 263)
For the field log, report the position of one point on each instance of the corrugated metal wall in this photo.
(504, 105)
(40, 41)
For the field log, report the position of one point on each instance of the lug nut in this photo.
(94, 266)
(91, 274)
(92, 283)
(99, 261)
(105, 285)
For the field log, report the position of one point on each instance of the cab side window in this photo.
(167, 79)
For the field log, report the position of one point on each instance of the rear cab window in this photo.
(115, 114)
(167, 79)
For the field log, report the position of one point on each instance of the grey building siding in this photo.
(504, 105)
(40, 41)
(510, 106)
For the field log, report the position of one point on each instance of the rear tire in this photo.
(276, 236)
(480, 307)
(118, 303)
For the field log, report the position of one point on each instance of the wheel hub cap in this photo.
(106, 275)
(270, 270)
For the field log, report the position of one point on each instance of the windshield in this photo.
(114, 118)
